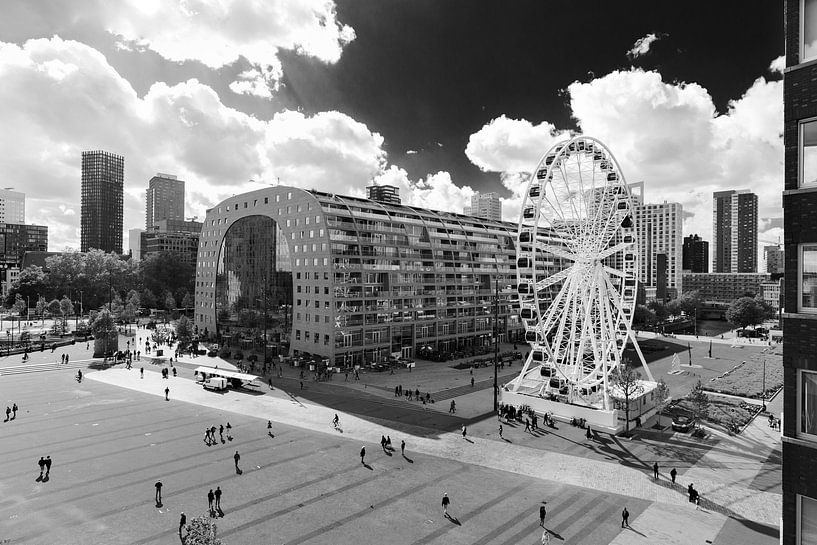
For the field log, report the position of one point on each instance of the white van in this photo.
(216, 384)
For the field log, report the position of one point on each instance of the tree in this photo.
(627, 381)
(30, 283)
(659, 309)
(170, 301)
(54, 308)
(662, 398)
(67, 309)
(201, 531)
(184, 331)
(106, 337)
(147, 299)
(689, 302)
(42, 304)
(188, 301)
(20, 307)
(745, 312)
(699, 400)
(643, 316)
(134, 299)
(166, 271)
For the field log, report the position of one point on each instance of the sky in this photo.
(440, 98)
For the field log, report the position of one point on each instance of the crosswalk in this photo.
(45, 366)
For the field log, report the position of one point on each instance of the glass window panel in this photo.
(808, 521)
(808, 150)
(808, 278)
(808, 403)
(809, 30)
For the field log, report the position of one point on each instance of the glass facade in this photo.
(254, 288)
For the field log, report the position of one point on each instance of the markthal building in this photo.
(286, 272)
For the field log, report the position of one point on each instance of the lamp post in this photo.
(763, 392)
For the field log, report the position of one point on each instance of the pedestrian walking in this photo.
(41, 463)
(221, 431)
(672, 474)
(472, 382)
(141, 372)
(625, 518)
(362, 455)
(655, 471)
(14, 411)
(542, 513)
(182, 522)
(452, 409)
(527, 425)
(218, 498)
(446, 502)
(403, 447)
(383, 442)
(207, 436)
(66, 359)
(302, 384)
(47, 466)
(210, 498)
(167, 394)
(236, 457)
(589, 433)
(8, 414)
(158, 487)
(463, 431)
(500, 431)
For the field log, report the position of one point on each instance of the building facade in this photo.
(350, 280)
(774, 256)
(388, 194)
(103, 178)
(164, 199)
(695, 254)
(734, 231)
(485, 205)
(726, 287)
(169, 235)
(800, 296)
(135, 243)
(659, 231)
(12, 206)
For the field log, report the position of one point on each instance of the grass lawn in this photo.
(724, 411)
(747, 379)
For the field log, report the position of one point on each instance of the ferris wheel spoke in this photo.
(614, 249)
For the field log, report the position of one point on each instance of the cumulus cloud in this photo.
(778, 64)
(642, 45)
(435, 191)
(668, 135)
(219, 32)
(61, 97)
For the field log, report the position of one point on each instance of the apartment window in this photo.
(266, 200)
(807, 518)
(289, 195)
(297, 334)
(808, 30)
(808, 405)
(808, 152)
(808, 278)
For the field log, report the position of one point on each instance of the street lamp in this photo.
(496, 343)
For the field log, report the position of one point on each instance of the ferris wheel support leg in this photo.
(525, 368)
(640, 354)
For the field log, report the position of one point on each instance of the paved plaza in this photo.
(113, 436)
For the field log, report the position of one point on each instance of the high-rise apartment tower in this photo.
(164, 199)
(103, 178)
(734, 231)
(12, 206)
(696, 254)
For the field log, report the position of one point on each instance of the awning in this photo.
(226, 374)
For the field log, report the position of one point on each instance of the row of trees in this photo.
(743, 312)
(95, 279)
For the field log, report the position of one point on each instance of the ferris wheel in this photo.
(577, 263)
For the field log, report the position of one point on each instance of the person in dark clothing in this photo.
(14, 411)
(236, 457)
(210, 498)
(625, 518)
(542, 513)
(362, 455)
(655, 471)
(218, 498)
(446, 502)
(158, 487)
(47, 465)
(673, 474)
(403, 447)
(41, 463)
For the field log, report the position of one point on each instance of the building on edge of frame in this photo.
(351, 280)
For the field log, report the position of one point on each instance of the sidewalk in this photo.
(723, 488)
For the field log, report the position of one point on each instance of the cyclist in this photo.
(336, 421)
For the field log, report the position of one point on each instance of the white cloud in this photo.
(61, 97)
(778, 64)
(435, 191)
(642, 46)
(665, 134)
(219, 32)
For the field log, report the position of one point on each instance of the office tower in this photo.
(135, 243)
(383, 193)
(734, 231)
(696, 254)
(103, 178)
(12, 206)
(800, 285)
(774, 256)
(164, 199)
(178, 236)
(485, 205)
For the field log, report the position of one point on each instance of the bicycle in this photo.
(546, 537)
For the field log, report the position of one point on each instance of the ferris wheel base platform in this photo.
(599, 419)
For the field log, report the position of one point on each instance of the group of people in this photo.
(210, 434)
(774, 423)
(412, 395)
(11, 412)
(45, 468)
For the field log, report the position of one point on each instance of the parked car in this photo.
(378, 367)
(683, 422)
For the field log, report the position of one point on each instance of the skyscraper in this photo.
(774, 256)
(12, 206)
(383, 193)
(696, 254)
(165, 199)
(103, 179)
(485, 205)
(734, 231)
